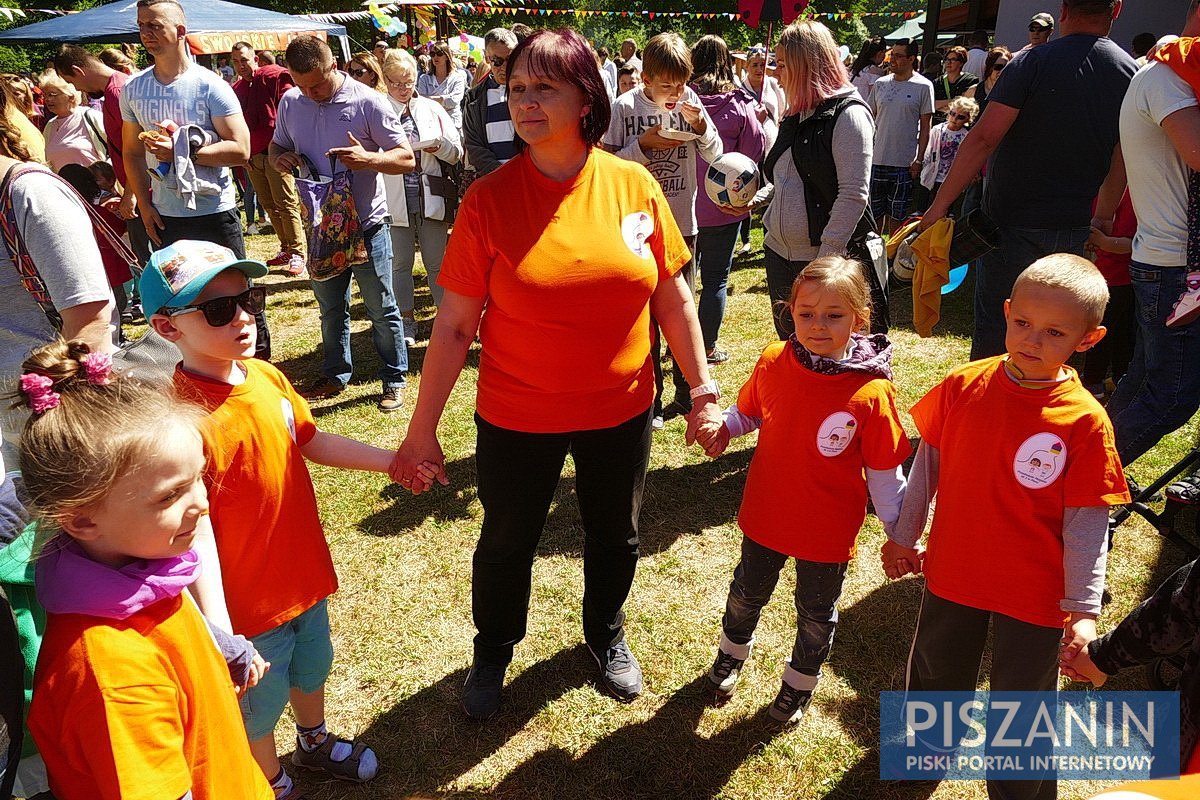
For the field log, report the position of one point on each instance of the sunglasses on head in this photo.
(360, 72)
(220, 311)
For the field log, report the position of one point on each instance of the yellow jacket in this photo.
(932, 249)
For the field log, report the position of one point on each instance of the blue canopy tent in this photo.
(213, 27)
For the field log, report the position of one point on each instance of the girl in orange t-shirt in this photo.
(826, 407)
(132, 698)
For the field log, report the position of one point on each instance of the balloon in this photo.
(956, 278)
(462, 37)
(401, 26)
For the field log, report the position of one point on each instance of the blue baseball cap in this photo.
(177, 274)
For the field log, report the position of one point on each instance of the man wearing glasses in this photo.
(259, 90)
(1041, 28)
(329, 115)
(488, 133)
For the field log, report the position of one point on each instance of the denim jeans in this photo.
(818, 587)
(714, 258)
(1161, 390)
(781, 274)
(375, 284)
(1019, 247)
(223, 228)
(518, 474)
(433, 235)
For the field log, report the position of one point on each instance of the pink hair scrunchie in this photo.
(40, 391)
(98, 367)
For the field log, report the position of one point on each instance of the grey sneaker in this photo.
(391, 400)
(789, 705)
(724, 674)
(410, 331)
(620, 673)
(481, 692)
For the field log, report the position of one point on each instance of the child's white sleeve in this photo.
(740, 423)
(921, 489)
(1085, 557)
(887, 493)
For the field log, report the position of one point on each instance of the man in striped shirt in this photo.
(487, 128)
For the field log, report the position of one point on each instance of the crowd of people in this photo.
(555, 197)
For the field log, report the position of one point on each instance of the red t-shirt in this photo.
(259, 97)
(274, 558)
(113, 122)
(806, 495)
(568, 270)
(1012, 461)
(1115, 266)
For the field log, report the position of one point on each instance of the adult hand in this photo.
(703, 416)
(287, 162)
(1105, 226)
(152, 222)
(899, 560)
(353, 156)
(915, 168)
(716, 443)
(160, 147)
(419, 462)
(651, 140)
(433, 148)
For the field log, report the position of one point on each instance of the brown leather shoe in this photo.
(322, 390)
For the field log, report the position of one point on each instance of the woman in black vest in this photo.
(819, 168)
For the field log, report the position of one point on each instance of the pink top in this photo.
(70, 139)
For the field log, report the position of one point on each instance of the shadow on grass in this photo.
(870, 653)
(408, 512)
(663, 757)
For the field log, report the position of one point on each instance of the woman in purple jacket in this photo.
(732, 111)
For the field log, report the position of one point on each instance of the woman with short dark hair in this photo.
(563, 254)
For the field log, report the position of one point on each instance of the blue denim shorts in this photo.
(301, 653)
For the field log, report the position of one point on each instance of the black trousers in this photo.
(781, 274)
(1115, 350)
(518, 473)
(946, 653)
(223, 228)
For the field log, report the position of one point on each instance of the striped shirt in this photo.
(498, 123)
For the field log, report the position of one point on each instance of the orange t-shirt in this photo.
(1185, 788)
(1012, 461)
(274, 558)
(806, 495)
(568, 270)
(140, 709)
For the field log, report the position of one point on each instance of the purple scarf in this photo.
(871, 355)
(68, 582)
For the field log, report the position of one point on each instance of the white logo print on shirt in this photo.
(835, 433)
(636, 230)
(1040, 460)
(289, 416)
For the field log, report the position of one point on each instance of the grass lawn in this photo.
(402, 624)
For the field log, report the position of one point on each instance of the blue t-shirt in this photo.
(194, 98)
(1050, 164)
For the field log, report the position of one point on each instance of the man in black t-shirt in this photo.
(1048, 137)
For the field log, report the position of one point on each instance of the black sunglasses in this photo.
(999, 67)
(358, 73)
(220, 311)
(1037, 29)
(497, 61)
(956, 115)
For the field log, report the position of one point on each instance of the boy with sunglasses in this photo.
(277, 571)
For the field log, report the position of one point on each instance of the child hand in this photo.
(258, 668)
(427, 474)
(651, 140)
(717, 443)
(1097, 240)
(1082, 668)
(1077, 632)
(899, 560)
(694, 116)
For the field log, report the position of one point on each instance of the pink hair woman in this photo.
(558, 259)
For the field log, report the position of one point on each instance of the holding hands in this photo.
(1075, 661)
(899, 560)
(418, 463)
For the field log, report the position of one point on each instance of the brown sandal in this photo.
(321, 759)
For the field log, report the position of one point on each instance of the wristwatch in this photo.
(706, 388)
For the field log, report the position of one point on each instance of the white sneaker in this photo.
(727, 668)
(745, 250)
(252, 229)
(657, 423)
(410, 331)
(1187, 307)
(296, 265)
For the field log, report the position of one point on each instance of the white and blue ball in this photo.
(732, 180)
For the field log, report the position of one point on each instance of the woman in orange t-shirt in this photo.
(558, 259)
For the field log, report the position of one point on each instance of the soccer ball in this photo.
(731, 180)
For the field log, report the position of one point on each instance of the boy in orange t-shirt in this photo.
(1023, 463)
(276, 565)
